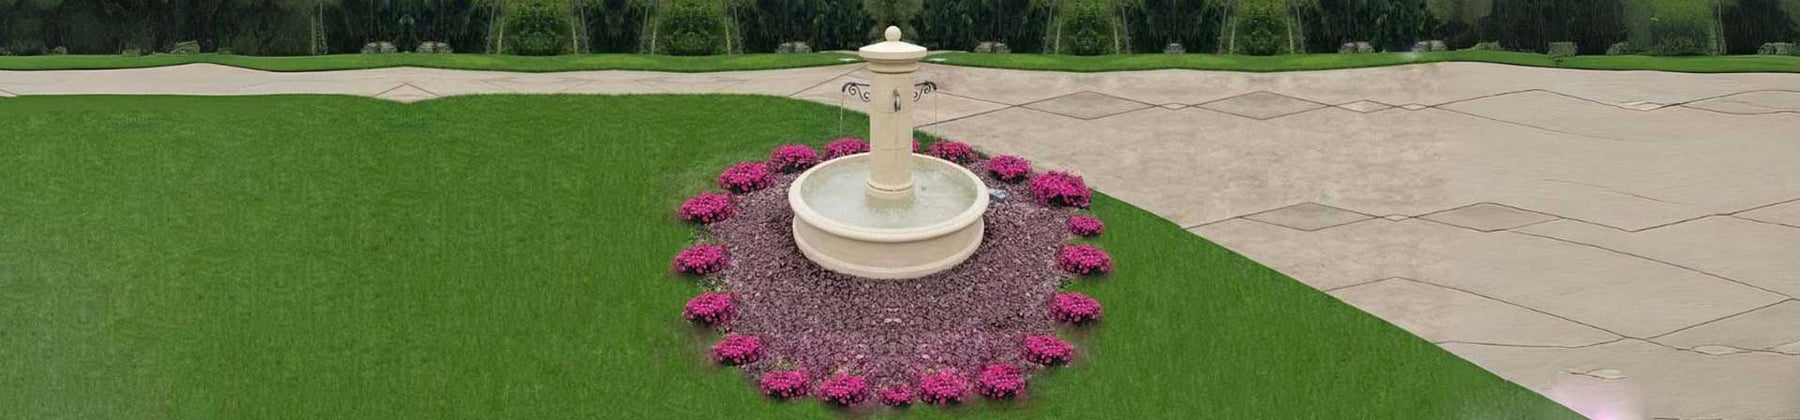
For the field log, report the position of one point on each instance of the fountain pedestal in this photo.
(906, 215)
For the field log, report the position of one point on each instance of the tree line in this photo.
(303, 27)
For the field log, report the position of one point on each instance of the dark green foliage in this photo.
(1530, 25)
(691, 27)
(1563, 49)
(1752, 23)
(1261, 27)
(1390, 25)
(1087, 27)
(1192, 23)
(965, 24)
(537, 28)
(1683, 27)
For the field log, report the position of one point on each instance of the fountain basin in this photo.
(840, 227)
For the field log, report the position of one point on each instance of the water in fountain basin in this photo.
(840, 193)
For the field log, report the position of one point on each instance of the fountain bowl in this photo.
(837, 226)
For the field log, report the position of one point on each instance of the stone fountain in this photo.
(889, 213)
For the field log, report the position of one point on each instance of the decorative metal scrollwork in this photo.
(923, 88)
(858, 90)
(861, 90)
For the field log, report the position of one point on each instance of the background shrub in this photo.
(537, 28)
(691, 27)
(1087, 27)
(1261, 27)
(1683, 27)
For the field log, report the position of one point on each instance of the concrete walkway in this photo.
(1626, 243)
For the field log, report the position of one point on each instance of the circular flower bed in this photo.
(935, 338)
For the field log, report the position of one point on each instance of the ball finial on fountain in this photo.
(893, 33)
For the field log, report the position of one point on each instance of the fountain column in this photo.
(892, 64)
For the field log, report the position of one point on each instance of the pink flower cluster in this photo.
(953, 151)
(1083, 259)
(793, 158)
(897, 395)
(845, 146)
(706, 208)
(701, 260)
(844, 389)
(784, 384)
(746, 177)
(943, 387)
(1058, 188)
(709, 308)
(1074, 308)
(1001, 381)
(1084, 225)
(1048, 350)
(738, 349)
(1009, 168)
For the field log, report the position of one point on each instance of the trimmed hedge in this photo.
(537, 28)
(691, 27)
(1262, 27)
(1088, 27)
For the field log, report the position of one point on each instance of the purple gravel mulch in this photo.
(892, 331)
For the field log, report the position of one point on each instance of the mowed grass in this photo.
(443, 61)
(506, 257)
(1304, 62)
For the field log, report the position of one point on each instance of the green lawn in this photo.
(507, 257)
(1725, 64)
(446, 61)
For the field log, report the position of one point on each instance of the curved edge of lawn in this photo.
(1313, 62)
(486, 62)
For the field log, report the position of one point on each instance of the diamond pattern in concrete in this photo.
(1440, 314)
(1262, 105)
(406, 93)
(1754, 103)
(1489, 217)
(1756, 254)
(1782, 214)
(1308, 216)
(1761, 329)
(1365, 106)
(1086, 105)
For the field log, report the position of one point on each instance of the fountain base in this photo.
(871, 239)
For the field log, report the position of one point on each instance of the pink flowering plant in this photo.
(1001, 381)
(1074, 308)
(706, 208)
(709, 308)
(1083, 259)
(845, 146)
(701, 260)
(790, 158)
(943, 387)
(953, 151)
(746, 177)
(783, 384)
(1009, 168)
(844, 389)
(1084, 225)
(738, 350)
(896, 395)
(1058, 188)
(1048, 350)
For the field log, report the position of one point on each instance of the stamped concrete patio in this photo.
(1625, 243)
